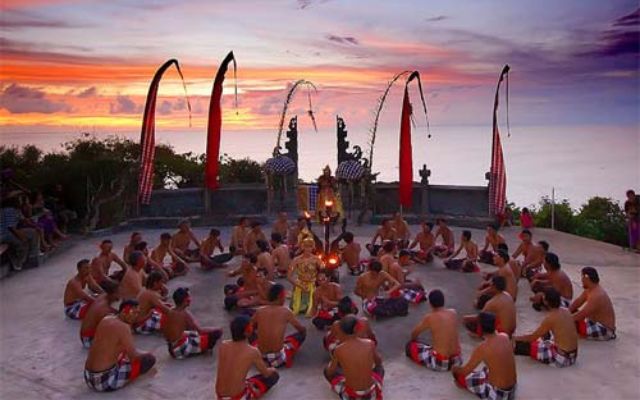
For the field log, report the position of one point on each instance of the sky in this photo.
(73, 65)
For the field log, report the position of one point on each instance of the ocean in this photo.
(579, 162)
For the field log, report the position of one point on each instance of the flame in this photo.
(328, 203)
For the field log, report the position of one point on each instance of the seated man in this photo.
(281, 225)
(597, 319)
(264, 260)
(533, 254)
(245, 292)
(446, 248)
(385, 232)
(497, 379)
(387, 255)
(325, 301)
(553, 278)
(470, 262)
(177, 265)
(281, 255)
(235, 358)
(375, 302)
(134, 278)
(136, 237)
(113, 361)
(493, 239)
(555, 341)
(426, 243)
(411, 290)
(251, 238)
(445, 352)
(350, 253)
(151, 264)
(76, 300)
(238, 233)
(183, 334)
(153, 310)
(501, 260)
(208, 247)
(334, 335)
(355, 370)
(501, 305)
(101, 264)
(403, 233)
(100, 308)
(181, 240)
(271, 323)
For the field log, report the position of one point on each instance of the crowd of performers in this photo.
(292, 256)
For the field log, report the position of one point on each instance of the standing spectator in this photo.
(632, 210)
(526, 219)
(24, 242)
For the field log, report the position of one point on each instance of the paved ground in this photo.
(41, 355)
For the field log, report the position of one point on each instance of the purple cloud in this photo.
(88, 92)
(632, 19)
(19, 99)
(348, 40)
(18, 19)
(124, 105)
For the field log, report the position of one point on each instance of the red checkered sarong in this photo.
(593, 330)
(77, 309)
(547, 352)
(152, 324)
(413, 296)
(86, 337)
(284, 357)
(339, 385)
(477, 383)
(442, 251)
(191, 343)
(425, 355)
(255, 388)
(123, 372)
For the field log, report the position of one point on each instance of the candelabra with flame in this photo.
(327, 216)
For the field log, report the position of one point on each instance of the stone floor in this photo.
(41, 355)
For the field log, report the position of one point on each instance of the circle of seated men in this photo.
(259, 332)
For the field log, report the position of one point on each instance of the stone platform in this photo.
(41, 355)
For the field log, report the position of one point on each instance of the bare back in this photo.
(112, 337)
(234, 361)
(351, 254)
(99, 309)
(444, 331)
(272, 321)
(504, 308)
(560, 281)
(497, 355)
(356, 357)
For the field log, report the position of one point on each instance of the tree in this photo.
(564, 218)
(602, 219)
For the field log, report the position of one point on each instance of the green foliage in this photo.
(240, 171)
(602, 219)
(564, 218)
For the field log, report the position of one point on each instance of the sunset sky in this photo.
(86, 65)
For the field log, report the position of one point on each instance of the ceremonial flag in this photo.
(214, 126)
(406, 159)
(147, 135)
(498, 173)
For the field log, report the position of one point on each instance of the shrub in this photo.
(602, 219)
(564, 218)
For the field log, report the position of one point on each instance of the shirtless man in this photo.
(151, 264)
(351, 254)
(245, 293)
(445, 351)
(271, 323)
(208, 247)
(264, 260)
(387, 255)
(134, 277)
(281, 225)
(470, 262)
(533, 255)
(76, 300)
(501, 305)
(178, 266)
(593, 311)
(251, 238)
(281, 254)
(555, 278)
(555, 341)
(136, 237)
(102, 262)
(238, 233)
(235, 358)
(152, 308)
(183, 334)
(501, 260)
(497, 379)
(446, 248)
(335, 336)
(355, 370)
(426, 243)
(385, 232)
(493, 239)
(325, 301)
(181, 240)
(375, 302)
(113, 361)
(403, 233)
(294, 233)
(410, 290)
(99, 309)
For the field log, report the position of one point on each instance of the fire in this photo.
(328, 203)
(306, 215)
